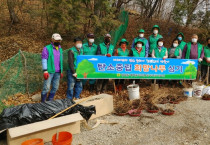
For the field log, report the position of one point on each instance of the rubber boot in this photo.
(50, 97)
(43, 97)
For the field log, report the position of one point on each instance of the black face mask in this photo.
(56, 43)
(107, 40)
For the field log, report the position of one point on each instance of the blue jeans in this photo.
(74, 86)
(53, 79)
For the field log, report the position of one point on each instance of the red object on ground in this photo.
(167, 113)
(64, 138)
(37, 141)
(134, 113)
(207, 99)
(152, 111)
(108, 55)
(174, 102)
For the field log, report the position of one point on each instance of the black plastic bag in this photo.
(30, 113)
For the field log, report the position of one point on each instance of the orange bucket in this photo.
(64, 138)
(36, 141)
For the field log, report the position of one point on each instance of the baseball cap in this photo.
(56, 36)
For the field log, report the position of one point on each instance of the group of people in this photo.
(52, 58)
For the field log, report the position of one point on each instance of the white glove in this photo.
(75, 75)
(200, 59)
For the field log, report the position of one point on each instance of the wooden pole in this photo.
(207, 76)
(83, 100)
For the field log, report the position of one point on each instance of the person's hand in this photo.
(208, 60)
(164, 58)
(200, 59)
(46, 75)
(75, 75)
(61, 75)
(108, 55)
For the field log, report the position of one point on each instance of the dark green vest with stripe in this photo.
(153, 42)
(76, 53)
(50, 60)
(104, 49)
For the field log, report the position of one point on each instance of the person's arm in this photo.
(180, 54)
(98, 52)
(45, 55)
(71, 61)
(153, 53)
(202, 53)
(184, 52)
(131, 53)
(133, 44)
(115, 52)
(147, 49)
(166, 54)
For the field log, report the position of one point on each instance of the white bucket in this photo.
(188, 92)
(133, 91)
(197, 90)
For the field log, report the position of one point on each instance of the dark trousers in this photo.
(204, 69)
(102, 85)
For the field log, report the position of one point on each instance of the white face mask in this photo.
(139, 45)
(194, 40)
(141, 35)
(155, 31)
(91, 40)
(79, 45)
(160, 43)
(175, 44)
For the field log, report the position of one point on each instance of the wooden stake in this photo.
(83, 100)
(207, 76)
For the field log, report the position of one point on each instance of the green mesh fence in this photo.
(14, 73)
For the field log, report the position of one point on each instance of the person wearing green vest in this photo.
(139, 49)
(90, 48)
(193, 49)
(206, 60)
(74, 88)
(146, 42)
(52, 65)
(122, 51)
(180, 37)
(175, 51)
(160, 51)
(104, 49)
(154, 38)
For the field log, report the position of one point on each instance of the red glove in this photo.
(61, 75)
(46, 75)
(108, 55)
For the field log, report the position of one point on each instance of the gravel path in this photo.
(189, 125)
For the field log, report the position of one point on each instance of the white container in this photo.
(133, 91)
(197, 90)
(188, 92)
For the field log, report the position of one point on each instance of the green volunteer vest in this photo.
(206, 54)
(153, 42)
(89, 50)
(122, 53)
(189, 49)
(137, 54)
(176, 52)
(160, 54)
(182, 45)
(104, 49)
(50, 60)
(76, 53)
